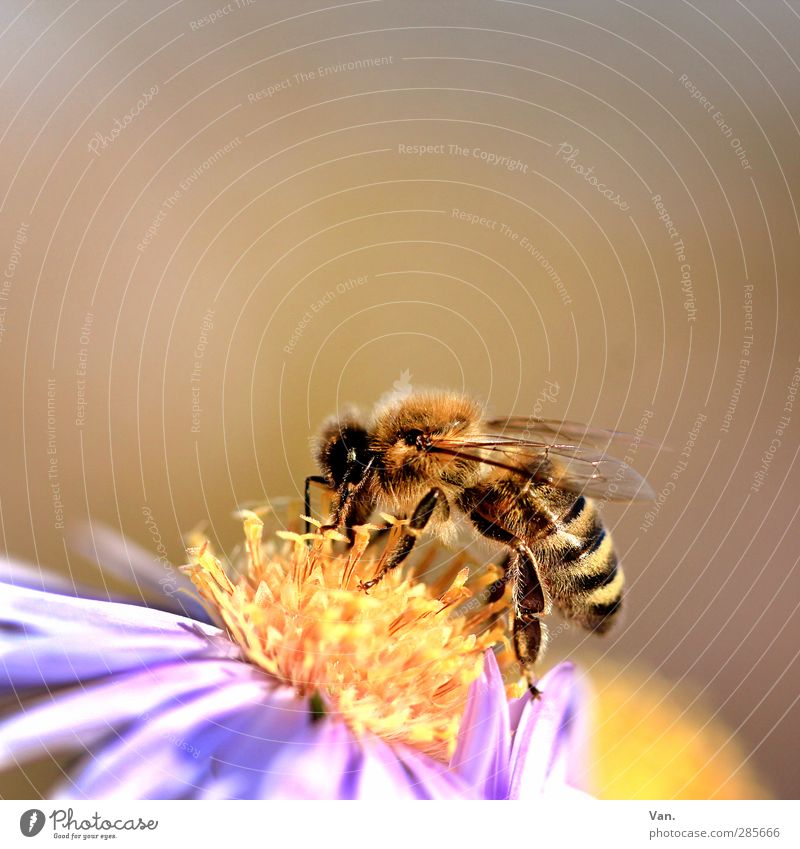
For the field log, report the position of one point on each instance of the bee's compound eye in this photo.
(412, 437)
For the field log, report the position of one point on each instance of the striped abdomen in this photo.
(578, 565)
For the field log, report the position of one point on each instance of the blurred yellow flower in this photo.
(647, 744)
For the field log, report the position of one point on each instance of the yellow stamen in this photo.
(396, 661)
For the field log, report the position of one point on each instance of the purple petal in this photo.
(27, 575)
(318, 759)
(515, 708)
(544, 736)
(382, 776)
(484, 739)
(53, 639)
(149, 574)
(321, 763)
(240, 766)
(80, 718)
(566, 792)
(233, 762)
(326, 761)
(55, 615)
(433, 780)
(167, 756)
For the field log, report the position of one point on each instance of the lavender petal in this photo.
(240, 766)
(52, 639)
(321, 763)
(327, 762)
(81, 718)
(137, 568)
(484, 739)
(246, 766)
(432, 780)
(382, 776)
(167, 755)
(544, 735)
(20, 574)
(52, 614)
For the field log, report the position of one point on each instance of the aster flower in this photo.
(304, 686)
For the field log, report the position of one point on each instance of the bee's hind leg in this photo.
(496, 590)
(519, 569)
(529, 604)
(434, 500)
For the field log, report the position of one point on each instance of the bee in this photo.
(525, 484)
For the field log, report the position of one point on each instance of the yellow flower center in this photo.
(396, 661)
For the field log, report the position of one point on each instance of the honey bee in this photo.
(526, 484)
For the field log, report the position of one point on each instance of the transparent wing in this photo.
(574, 468)
(575, 433)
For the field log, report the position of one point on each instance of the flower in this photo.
(306, 687)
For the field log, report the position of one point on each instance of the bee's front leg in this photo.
(321, 481)
(434, 500)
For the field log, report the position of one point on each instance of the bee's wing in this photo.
(574, 433)
(570, 467)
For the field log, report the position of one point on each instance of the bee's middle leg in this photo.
(434, 500)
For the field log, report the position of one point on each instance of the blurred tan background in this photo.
(220, 222)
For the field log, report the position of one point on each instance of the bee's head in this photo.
(342, 451)
(405, 436)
